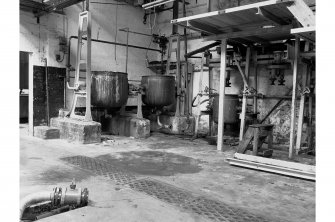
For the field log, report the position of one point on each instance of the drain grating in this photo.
(212, 209)
(101, 168)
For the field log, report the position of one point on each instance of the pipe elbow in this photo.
(33, 199)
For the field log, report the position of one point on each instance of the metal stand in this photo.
(83, 89)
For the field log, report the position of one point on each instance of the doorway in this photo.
(24, 87)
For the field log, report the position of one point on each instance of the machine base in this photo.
(77, 130)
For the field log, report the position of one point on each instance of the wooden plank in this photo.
(256, 141)
(193, 17)
(271, 17)
(307, 33)
(294, 94)
(302, 13)
(257, 5)
(301, 109)
(275, 162)
(282, 30)
(244, 100)
(248, 136)
(272, 168)
(198, 109)
(270, 139)
(222, 94)
(303, 30)
(231, 10)
(205, 27)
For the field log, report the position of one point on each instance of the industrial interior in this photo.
(167, 110)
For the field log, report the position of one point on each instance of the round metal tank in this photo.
(230, 109)
(109, 89)
(159, 90)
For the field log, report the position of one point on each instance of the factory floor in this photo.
(192, 166)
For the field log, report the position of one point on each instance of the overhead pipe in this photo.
(107, 42)
(202, 49)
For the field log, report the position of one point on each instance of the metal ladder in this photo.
(82, 89)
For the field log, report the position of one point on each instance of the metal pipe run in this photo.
(107, 42)
(202, 49)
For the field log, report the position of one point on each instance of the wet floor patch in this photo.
(154, 163)
(59, 175)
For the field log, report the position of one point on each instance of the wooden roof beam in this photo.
(302, 12)
(256, 32)
(271, 17)
(207, 28)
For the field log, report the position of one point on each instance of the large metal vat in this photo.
(109, 89)
(159, 90)
(230, 109)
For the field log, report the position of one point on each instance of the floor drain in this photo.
(101, 168)
(212, 209)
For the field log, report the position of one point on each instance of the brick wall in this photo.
(56, 93)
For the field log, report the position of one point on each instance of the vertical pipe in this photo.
(222, 94)
(88, 114)
(210, 124)
(256, 84)
(47, 90)
(64, 105)
(294, 92)
(127, 50)
(186, 64)
(178, 79)
(31, 97)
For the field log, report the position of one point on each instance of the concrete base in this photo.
(77, 130)
(46, 132)
(127, 126)
(181, 125)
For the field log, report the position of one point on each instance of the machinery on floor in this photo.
(44, 204)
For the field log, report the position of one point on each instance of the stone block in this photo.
(180, 125)
(46, 132)
(127, 126)
(77, 130)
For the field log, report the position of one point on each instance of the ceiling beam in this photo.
(271, 17)
(256, 32)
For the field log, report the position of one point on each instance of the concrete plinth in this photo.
(46, 132)
(181, 125)
(77, 130)
(127, 126)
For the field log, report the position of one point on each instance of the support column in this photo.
(255, 102)
(222, 94)
(244, 100)
(301, 108)
(294, 94)
(31, 96)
